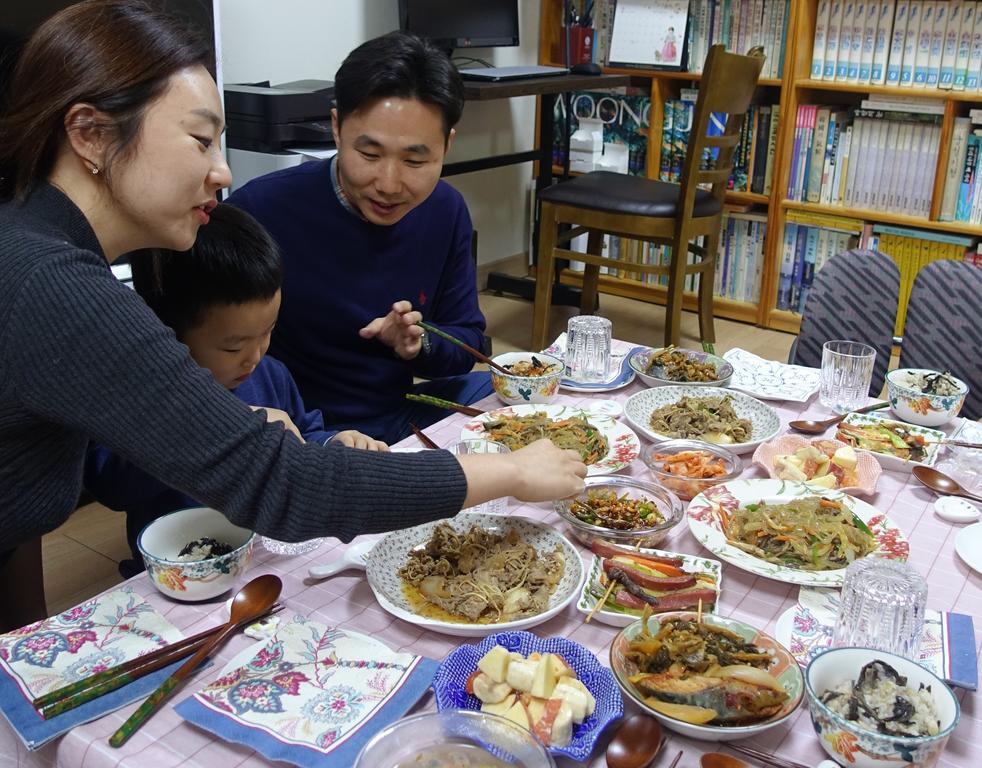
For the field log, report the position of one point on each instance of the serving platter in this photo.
(640, 359)
(895, 463)
(704, 523)
(764, 420)
(623, 445)
(389, 555)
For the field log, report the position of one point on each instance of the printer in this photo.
(274, 127)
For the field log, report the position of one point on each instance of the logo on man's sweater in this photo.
(422, 299)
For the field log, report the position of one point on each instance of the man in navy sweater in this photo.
(372, 242)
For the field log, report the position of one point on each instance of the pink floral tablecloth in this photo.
(346, 601)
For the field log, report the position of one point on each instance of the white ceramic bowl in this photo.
(518, 390)
(640, 360)
(851, 745)
(161, 542)
(764, 420)
(911, 405)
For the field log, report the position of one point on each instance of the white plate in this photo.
(623, 446)
(895, 463)
(704, 523)
(764, 419)
(690, 564)
(771, 380)
(390, 554)
(968, 545)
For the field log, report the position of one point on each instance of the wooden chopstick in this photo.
(959, 443)
(441, 403)
(763, 757)
(454, 340)
(423, 437)
(677, 758)
(87, 689)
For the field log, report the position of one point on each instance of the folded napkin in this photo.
(100, 633)
(947, 646)
(619, 371)
(312, 696)
(769, 379)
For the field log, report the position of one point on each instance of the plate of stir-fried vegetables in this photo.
(788, 532)
(605, 444)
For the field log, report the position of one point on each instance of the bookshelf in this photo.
(794, 88)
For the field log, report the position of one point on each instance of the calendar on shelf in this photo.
(649, 33)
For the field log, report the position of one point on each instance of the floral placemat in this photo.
(769, 379)
(947, 646)
(100, 633)
(312, 696)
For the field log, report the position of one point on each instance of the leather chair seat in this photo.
(631, 195)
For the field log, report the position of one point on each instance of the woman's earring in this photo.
(95, 169)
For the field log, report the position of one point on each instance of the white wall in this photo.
(294, 39)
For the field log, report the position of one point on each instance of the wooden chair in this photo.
(653, 211)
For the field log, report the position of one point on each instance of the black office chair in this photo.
(943, 327)
(854, 297)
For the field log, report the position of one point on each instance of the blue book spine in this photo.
(799, 265)
(787, 266)
(964, 208)
(808, 268)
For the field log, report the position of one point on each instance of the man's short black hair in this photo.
(402, 65)
(233, 261)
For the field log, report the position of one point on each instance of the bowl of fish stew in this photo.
(533, 377)
(621, 510)
(873, 709)
(705, 676)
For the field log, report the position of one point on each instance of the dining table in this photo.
(346, 600)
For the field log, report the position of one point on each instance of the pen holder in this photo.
(580, 44)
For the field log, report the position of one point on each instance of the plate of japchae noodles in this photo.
(720, 416)
(792, 532)
(475, 574)
(605, 444)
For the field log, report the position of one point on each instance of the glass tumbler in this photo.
(495, 506)
(882, 607)
(847, 370)
(588, 348)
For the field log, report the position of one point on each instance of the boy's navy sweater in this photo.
(341, 272)
(120, 484)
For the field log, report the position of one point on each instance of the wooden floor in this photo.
(81, 557)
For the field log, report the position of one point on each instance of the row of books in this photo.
(810, 240)
(737, 24)
(912, 249)
(906, 43)
(876, 158)
(962, 196)
(739, 263)
(753, 160)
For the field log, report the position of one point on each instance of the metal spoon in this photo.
(813, 427)
(636, 743)
(941, 483)
(252, 601)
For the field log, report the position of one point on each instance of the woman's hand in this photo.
(538, 472)
(355, 439)
(275, 414)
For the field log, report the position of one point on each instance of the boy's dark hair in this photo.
(402, 65)
(233, 261)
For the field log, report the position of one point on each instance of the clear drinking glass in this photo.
(588, 348)
(847, 370)
(289, 547)
(495, 506)
(882, 607)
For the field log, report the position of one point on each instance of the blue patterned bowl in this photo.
(848, 743)
(450, 682)
(161, 542)
(909, 404)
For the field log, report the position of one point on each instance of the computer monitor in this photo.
(462, 23)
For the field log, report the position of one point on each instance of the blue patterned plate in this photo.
(451, 679)
(619, 373)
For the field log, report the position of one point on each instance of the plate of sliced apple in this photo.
(828, 464)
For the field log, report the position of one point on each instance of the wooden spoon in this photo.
(636, 743)
(813, 427)
(940, 482)
(719, 760)
(252, 601)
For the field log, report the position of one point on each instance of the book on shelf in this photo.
(818, 46)
(845, 40)
(898, 42)
(868, 41)
(626, 117)
(881, 42)
(922, 55)
(953, 171)
(810, 240)
(911, 41)
(974, 54)
(965, 28)
(938, 30)
(949, 51)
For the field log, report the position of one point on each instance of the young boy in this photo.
(221, 299)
